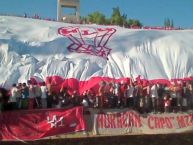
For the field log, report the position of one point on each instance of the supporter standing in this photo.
(13, 97)
(31, 95)
(50, 94)
(111, 95)
(190, 96)
(130, 95)
(147, 99)
(25, 96)
(154, 97)
(118, 94)
(91, 98)
(167, 103)
(43, 95)
(123, 97)
(139, 98)
(64, 97)
(75, 99)
(19, 95)
(1, 102)
(173, 94)
(179, 96)
(185, 95)
(101, 94)
(38, 94)
(160, 103)
(85, 100)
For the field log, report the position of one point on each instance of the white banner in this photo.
(130, 122)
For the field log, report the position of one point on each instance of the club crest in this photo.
(91, 41)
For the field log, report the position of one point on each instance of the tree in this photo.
(168, 23)
(116, 17)
(96, 17)
(124, 19)
(133, 22)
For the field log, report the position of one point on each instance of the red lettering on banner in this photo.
(191, 119)
(149, 121)
(185, 120)
(137, 120)
(160, 122)
(157, 122)
(123, 121)
(181, 121)
(112, 116)
(118, 120)
(169, 122)
(100, 121)
(106, 121)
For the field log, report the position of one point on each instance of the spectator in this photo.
(43, 95)
(64, 98)
(75, 99)
(154, 97)
(186, 93)
(190, 94)
(85, 100)
(4, 97)
(167, 103)
(19, 95)
(13, 97)
(101, 94)
(31, 99)
(1, 102)
(50, 94)
(130, 95)
(147, 99)
(91, 98)
(123, 97)
(25, 96)
(179, 96)
(112, 99)
(160, 90)
(173, 94)
(38, 94)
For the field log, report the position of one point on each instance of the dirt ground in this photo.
(169, 139)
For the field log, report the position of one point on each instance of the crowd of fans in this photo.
(152, 97)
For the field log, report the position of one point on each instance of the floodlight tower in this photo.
(75, 4)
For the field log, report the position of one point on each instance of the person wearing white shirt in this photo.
(44, 95)
(13, 97)
(31, 96)
(154, 96)
(130, 95)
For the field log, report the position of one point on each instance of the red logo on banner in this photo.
(91, 41)
(31, 125)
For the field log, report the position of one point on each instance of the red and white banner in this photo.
(130, 122)
(31, 125)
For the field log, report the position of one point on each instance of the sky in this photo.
(149, 12)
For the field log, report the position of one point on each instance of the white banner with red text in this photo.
(119, 122)
(36, 124)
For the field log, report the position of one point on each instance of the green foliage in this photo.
(134, 22)
(116, 19)
(168, 23)
(96, 17)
